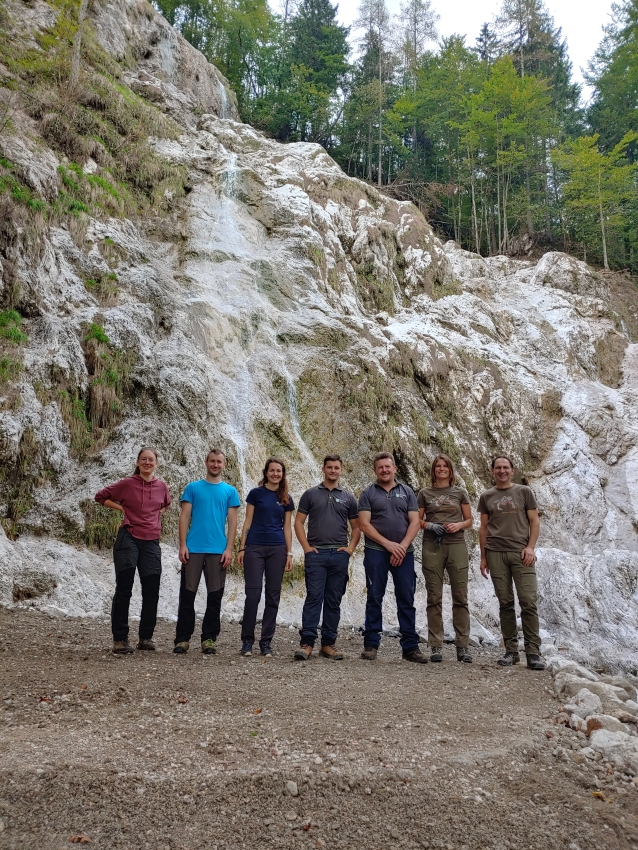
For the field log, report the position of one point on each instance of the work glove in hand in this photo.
(436, 527)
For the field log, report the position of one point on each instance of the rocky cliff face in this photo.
(280, 306)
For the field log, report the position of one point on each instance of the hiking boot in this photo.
(331, 652)
(436, 654)
(208, 647)
(304, 652)
(415, 655)
(369, 653)
(266, 649)
(247, 648)
(534, 662)
(122, 647)
(181, 648)
(508, 659)
(463, 654)
(146, 644)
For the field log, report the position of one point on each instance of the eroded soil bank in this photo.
(157, 751)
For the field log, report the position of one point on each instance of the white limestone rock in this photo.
(611, 724)
(618, 748)
(584, 704)
(286, 307)
(566, 665)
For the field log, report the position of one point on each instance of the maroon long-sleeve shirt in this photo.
(142, 502)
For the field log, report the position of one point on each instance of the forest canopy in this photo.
(491, 139)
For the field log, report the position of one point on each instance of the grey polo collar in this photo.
(397, 484)
(322, 486)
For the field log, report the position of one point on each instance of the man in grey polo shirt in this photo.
(389, 519)
(327, 554)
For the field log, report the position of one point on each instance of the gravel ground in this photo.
(157, 751)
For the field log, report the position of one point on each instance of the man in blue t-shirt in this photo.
(205, 545)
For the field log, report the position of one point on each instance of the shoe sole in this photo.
(332, 657)
(146, 648)
(246, 654)
(436, 660)
(300, 656)
(507, 664)
(209, 652)
(122, 651)
(368, 658)
(416, 660)
(465, 660)
(180, 651)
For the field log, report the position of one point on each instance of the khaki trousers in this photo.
(507, 569)
(436, 559)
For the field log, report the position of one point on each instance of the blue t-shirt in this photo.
(210, 502)
(267, 528)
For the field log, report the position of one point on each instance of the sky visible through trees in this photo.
(489, 135)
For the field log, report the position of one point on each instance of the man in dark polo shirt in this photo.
(389, 519)
(327, 554)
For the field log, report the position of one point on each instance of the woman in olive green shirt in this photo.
(445, 513)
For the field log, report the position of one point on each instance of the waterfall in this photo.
(241, 391)
(230, 177)
(293, 407)
(223, 96)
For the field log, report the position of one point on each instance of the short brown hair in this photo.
(448, 462)
(502, 457)
(382, 456)
(334, 458)
(216, 452)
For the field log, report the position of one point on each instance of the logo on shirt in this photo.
(506, 503)
(440, 501)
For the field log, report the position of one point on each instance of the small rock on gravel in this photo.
(292, 789)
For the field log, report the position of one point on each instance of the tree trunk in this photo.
(76, 53)
(602, 222)
(380, 173)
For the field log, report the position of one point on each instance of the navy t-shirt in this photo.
(267, 528)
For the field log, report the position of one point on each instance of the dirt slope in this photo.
(154, 751)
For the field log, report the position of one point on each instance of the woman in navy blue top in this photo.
(265, 550)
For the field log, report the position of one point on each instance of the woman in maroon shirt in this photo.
(142, 499)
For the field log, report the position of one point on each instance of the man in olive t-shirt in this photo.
(509, 530)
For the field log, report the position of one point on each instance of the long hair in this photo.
(448, 462)
(139, 454)
(282, 491)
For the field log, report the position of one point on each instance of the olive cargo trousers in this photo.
(436, 559)
(507, 569)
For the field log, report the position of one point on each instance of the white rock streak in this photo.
(261, 283)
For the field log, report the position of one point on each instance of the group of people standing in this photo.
(389, 515)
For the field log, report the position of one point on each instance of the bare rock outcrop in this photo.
(281, 306)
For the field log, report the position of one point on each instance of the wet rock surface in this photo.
(282, 307)
(155, 751)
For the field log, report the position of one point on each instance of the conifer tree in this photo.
(613, 73)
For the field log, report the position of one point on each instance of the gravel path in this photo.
(157, 751)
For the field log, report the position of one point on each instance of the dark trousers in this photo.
(215, 577)
(262, 562)
(131, 553)
(377, 567)
(326, 574)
